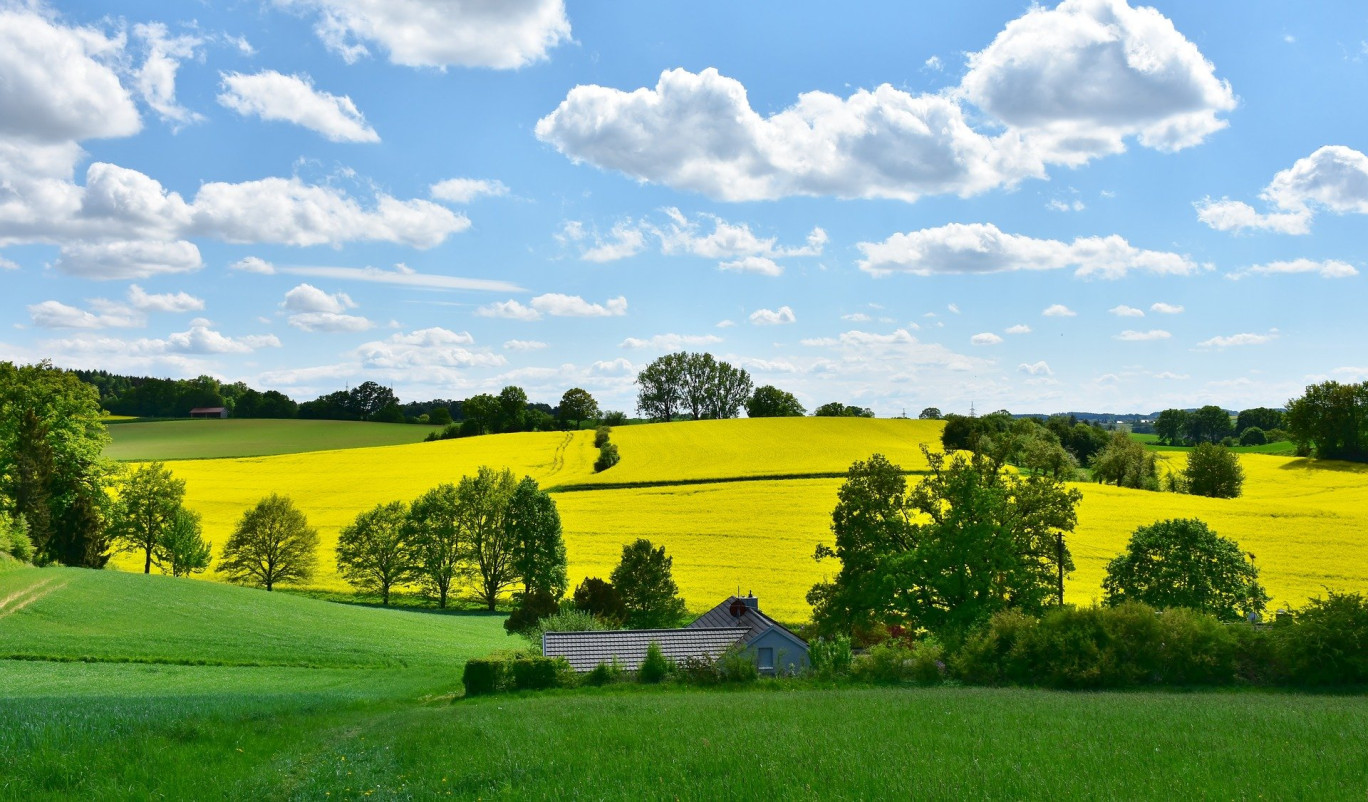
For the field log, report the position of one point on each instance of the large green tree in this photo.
(512, 408)
(437, 540)
(373, 551)
(660, 387)
(1182, 563)
(1171, 426)
(534, 527)
(182, 549)
(482, 504)
(967, 541)
(1258, 418)
(272, 543)
(1330, 420)
(1125, 462)
(51, 469)
(771, 402)
(1213, 471)
(644, 580)
(1210, 424)
(146, 510)
(578, 405)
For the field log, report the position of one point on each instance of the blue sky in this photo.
(1083, 205)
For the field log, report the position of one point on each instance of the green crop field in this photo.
(1283, 448)
(246, 694)
(211, 439)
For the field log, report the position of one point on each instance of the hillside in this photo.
(212, 439)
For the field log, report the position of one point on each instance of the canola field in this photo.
(1305, 522)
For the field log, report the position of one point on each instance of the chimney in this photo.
(750, 601)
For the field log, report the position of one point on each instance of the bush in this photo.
(830, 657)
(1214, 471)
(607, 458)
(1257, 658)
(1277, 436)
(14, 538)
(567, 620)
(700, 671)
(1196, 649)
(887, 663)
(1328, 643)
(539, 673)
(1253, 436)
(605, 674)
(655, 667)
(531, 609)
(738, 665)
(484, 676)
(928, 662)
(601, 436)
(998, 654)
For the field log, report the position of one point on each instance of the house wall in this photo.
(786, 650)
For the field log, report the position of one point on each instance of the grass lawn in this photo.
(1283, 448)
(211, 439)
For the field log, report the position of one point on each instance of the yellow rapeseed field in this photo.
(1306, 522)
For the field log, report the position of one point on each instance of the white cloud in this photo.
(625, 240)
(1057, 205)
(434, 349)
(524, 345)
(308, 298)
(441, 33)
(6, 264)
(1126, 311)
(558, 305)
(252, 264)
(156, 78)
(1334, 178)
(1059, 310)
(1330, 268)
(725, 324)
(984, 248)
(57, 315)
(985, 338)
(1169, 375)
(1246, 338)
(510, 309)
(1020, 328)
(293, 99)
(857, 317)
(401, 277)
(953, 308)
(1040, 368)
(1070, 84)
(200, 339)
(113, 314)
(613, 367)
(772, 317)
(1143, 336)
(164, 302)
(864, 352)
(124, 260)
(671, 342)
(465, 190)
(329, 322)
(1166, 309)
(934, 64)
(760, 265)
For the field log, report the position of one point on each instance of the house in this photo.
(735, 623)
(209, 412)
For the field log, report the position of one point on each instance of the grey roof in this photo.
(752, 620)
(586, 650)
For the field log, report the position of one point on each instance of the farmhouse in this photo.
(735, 623)
(209, 412)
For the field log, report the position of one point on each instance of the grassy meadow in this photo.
(232, 437)
(324, 701)
(708, 491)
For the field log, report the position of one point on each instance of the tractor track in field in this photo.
(23, 598)
(721, 480)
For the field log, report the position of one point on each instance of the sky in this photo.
(1084, 205)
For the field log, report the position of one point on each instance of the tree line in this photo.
(692, 386)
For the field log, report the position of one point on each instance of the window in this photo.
(767, 659)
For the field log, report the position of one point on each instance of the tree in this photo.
(440, 416)
(1182, 563)
(966, 542)
(643, 578)
(700, 372)
(600, 599)
(272, 543)
(182, 549)
(1126, 463)
(534, 526)
(838, 410)
(483, 411)
(512, 408)
(1331, 421)
(481, 504)
(1213, 471)
(930, 413)
(577, 405)
(369, 398)
(1258, 417)
(731, 387)
(437, 541)
(389, 413)
(1043, 454)
(1210, 424)
(51, 469)
(771, 402)
(373, 551)
(14, 539)
(147, 507)
(1171, 426)
(660, 387)
(1253, 436)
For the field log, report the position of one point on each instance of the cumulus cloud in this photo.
(1166, 309)
(772, 317)
(671, 342)
(441, 33)
(960, 248)
(1130, 335)
(1020, 328)
(124, 260)
(109, 314)
(510, 309)
(465, 190)
(1040, 368)
(1334, 178)
(163, 302)
(1246, 338)
(523, 345)
(1059, 86)
(252, 264)
(425, 349)
(308, 298)
(1126, 311)
(57, 315)
(1330, 268)
(6, 264)
(760, 265)
(156, 78)
(293, 99)
(1059, 310)
(985, 338)
(554, 304)
(329, 322)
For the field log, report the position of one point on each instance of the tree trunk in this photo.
(147, 566)
(384, 594)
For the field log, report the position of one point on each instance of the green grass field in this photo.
(212, 439)
(1283, 448)
(304, 699)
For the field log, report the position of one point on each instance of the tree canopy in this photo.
(771, 402)
(1331, 421)
(836, 409)
(272, 543)
(694, 384)
(1182, 563)
(147, 507)
(1213, 471)
(373, 551)
(644, 580)
(578, 405)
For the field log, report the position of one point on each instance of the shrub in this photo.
(605, 674)
(888, 663)
(484, 676)
(1257, 659)
(1182, 563)
(601, 436)
(532, 608)
(1328, 643)
(14, 538)
(655, 667)
(700, 671)
(737, 665)
(539, 673)
(1214, 471)
(614, 418)
(607, 458)
(1277, 436)
(830, 657)
(1253, 436)
(567, 620)
(997, 654)
(1196, 649)
(601, 599)
(928, 662)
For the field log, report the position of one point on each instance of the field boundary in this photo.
(185, 661)
(722, 480)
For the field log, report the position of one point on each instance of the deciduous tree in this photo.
(660, 387)
(1331, 421)
(1182, 563)
(1126, 463)
(578, 405)
(182, 549)
(437, 540)
(272, 543)
(512, 408)
(1213, 471)
(148, 502)
(771, 402)
(1171, 426)
(482, 504)
(373, 552)
(645, 581)
(600, 599)
(483, 411)
(1210, 424)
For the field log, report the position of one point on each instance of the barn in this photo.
(209, 412)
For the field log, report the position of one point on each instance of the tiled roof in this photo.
(751, 619)
(586, 650)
